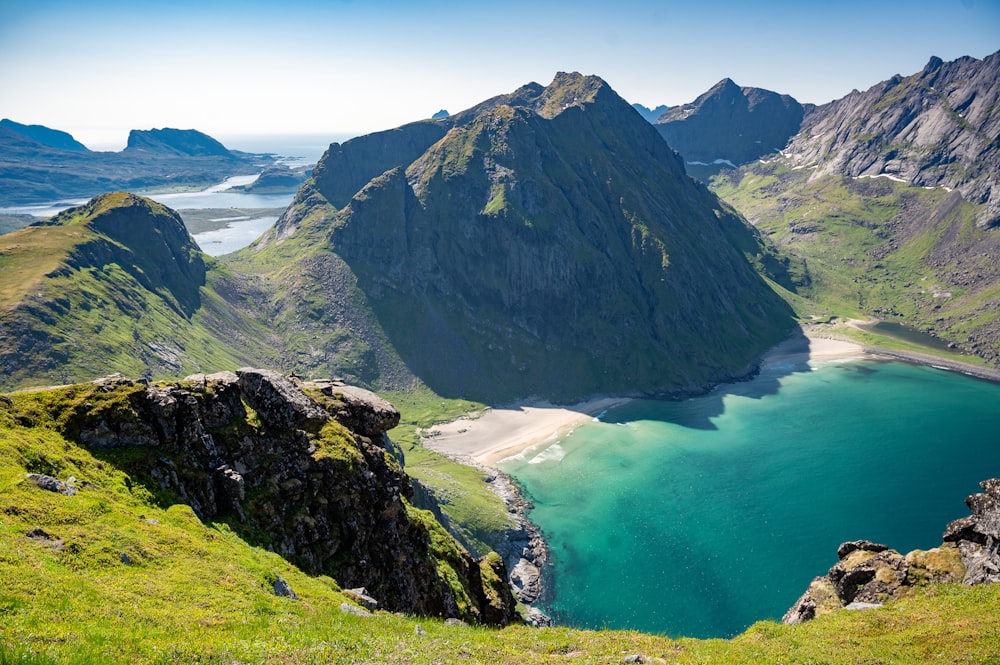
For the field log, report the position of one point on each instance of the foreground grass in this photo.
(187, 592)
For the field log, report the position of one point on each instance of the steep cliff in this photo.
(543, 242)
(935, 128)
(299, 468)
(888, 197)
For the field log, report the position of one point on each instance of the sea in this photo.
(700, 517)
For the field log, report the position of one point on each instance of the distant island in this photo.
(40, 165)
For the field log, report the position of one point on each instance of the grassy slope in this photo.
(195, 592)
(859, 252)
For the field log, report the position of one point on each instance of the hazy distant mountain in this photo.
(440, 114)
(543, 242)
(41, 134)
(651, 115)
(34, 170)
(729, 126)
(177, 142)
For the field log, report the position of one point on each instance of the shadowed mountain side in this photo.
(729, 125)
(549, 243)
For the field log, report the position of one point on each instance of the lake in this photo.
(700, 517)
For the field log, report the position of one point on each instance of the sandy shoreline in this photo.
(505, 432)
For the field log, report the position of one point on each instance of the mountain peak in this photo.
(934, 63)
(53, 138)
(180, 142)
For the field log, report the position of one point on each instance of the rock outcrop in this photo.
(297, 467)
(935, 128)
(869, 574)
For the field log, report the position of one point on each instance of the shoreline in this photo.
(504, 432)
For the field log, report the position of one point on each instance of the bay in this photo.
(700, 517)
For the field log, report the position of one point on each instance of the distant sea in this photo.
(700, 517)
(295, 150)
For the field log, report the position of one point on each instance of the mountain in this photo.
(117, 284)
(935, 128)
(544, 242)
(39, 167)
(729, 126)
(651, 115)
(889, 199)
(176, 142)
(53, 138)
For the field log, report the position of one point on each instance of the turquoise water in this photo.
(700, 517)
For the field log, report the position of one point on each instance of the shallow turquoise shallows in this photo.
(700, 517)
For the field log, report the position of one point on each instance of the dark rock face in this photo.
(273, 456)
(544, 242)
(869, 574)
(936, 128)
(729, 126)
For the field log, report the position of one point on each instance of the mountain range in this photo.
(42, 165)
(544, 242)
(547, 242)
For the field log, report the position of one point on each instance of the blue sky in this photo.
(98, 69)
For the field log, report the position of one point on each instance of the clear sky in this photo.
(100, 68)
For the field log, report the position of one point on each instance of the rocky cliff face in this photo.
(936, 128)
(299, 468)
(869, 574)
(729, 126)
(543, 242)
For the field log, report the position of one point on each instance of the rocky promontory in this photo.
(297, 467)
(870, 574)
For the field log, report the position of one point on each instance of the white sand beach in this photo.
(504, 432)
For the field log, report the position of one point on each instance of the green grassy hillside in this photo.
(872, 247)
(115, 574)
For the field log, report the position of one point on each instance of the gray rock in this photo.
(526, 580)
(348, 608)
(635, 658)
(418, 630)
(282, 589)
(364, 412)
(452, 621)
(51, 484)
(853, 545)
(279, 402)
(862, 606)
(360, 596)
(537, 618)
